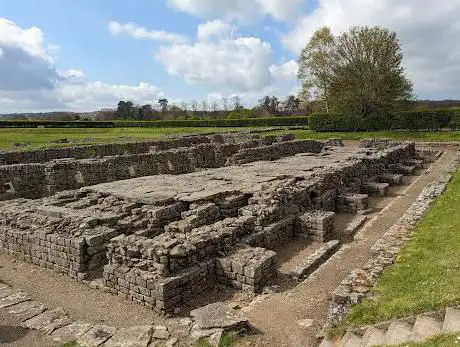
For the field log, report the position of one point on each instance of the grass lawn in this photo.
(435, 136)
(442, 340)
(41, 138)
(426, 275)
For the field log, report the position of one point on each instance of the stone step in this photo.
(373, 337)
(451, 321)
(327, 343)
(426, 326)
(397, 333)
(350, 340)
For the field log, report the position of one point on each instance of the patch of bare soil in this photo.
(77, 299)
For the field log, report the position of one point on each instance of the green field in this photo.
(437, 341)
(426, 275)
(39, 138)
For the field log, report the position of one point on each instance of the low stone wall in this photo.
(275, 151)
(114, 149)
(161, 294)
(247, 269)
(359, 282)
(78, 257)
(316, 225)
(37, 180)
(161, 249)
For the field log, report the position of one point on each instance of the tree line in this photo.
(225, 108)
(359, 72)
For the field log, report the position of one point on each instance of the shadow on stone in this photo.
(10, 334)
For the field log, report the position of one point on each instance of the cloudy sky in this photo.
(84, 55)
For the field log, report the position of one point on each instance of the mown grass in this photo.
(35, 138)
(71, 344)
(437, 341)
(228, 339)
(427, 136)
(426, 275)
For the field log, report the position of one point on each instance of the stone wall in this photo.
(113, 149)
(37, 180)
(162, 251)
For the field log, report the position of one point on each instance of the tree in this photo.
(291, 104)
(163, 105)
(236, 102)
(194, 107)
(315, 66)
(125, 109)
(270, 104)
(145, 112)
(225, 103)
(359, 72)
(214, 106)
(204, 106)
(368, 77)
(184, 106)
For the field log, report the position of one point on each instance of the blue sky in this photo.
(249, 48)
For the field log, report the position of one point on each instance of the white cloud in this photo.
(239, 9)
(139, 32)
(216, 29)
(241, 63)
(25, 63)
(29, 40)
(96, 95)
(286, 71)
(427, 29)
(29, 82)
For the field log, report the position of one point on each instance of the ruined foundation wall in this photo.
(112, 149)
(37, 180)
(163, 254)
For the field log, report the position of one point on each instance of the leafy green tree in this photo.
(163, 105)
(359, 72)
(315, 66)
(291, 104)
(125, 109)
(368, 76)
(145, 112)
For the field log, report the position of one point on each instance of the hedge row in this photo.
(242, 122)
(246, 122)
(54, 124)
(409, 120)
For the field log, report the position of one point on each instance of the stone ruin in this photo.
(214, 212)
(46, 172)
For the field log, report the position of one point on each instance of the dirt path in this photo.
(277, 317)
(78, 300)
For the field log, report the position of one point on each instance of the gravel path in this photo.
(279, 315)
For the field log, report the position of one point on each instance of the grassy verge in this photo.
(71, 344)
(35, 138)
(227, 340)
(435, 136)
(426, 275)
(437, 341)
